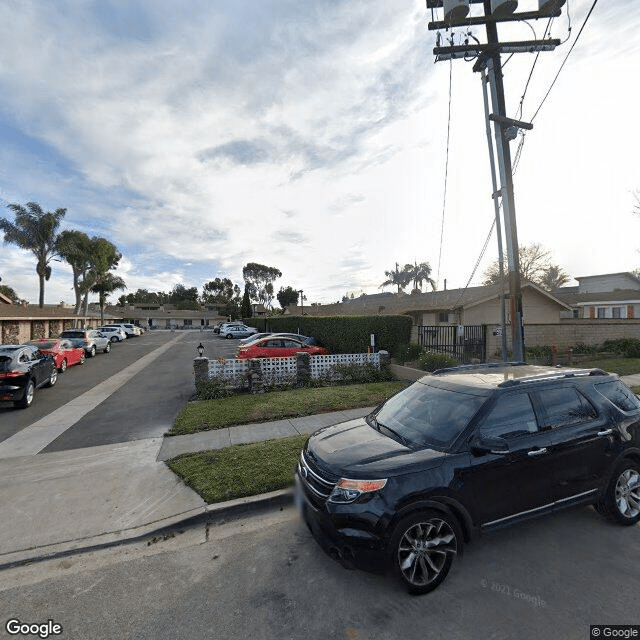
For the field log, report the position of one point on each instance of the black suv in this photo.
(464, 451)
(23, 369)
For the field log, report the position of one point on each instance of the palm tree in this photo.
(396, 278)
(108, 283)
(75, 248)
(419, 273)
(35, 230)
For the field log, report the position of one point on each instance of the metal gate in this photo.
(465, 343)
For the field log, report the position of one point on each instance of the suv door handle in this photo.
(537, 452)
(607, 432)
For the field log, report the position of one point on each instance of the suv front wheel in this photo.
(422, 547)
(622, 502)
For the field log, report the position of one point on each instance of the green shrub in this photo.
(627, 347)
(343, 334)
(214, 388)
(585, 349)
(539, 355)
(409, 352)
(363, 373)
(432, 360)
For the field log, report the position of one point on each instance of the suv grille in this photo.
(318, 486)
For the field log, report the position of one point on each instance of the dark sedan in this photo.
(23, 369)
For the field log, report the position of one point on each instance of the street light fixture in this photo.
(200, 349)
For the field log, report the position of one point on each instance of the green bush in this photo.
(432, 360)
(343, 334)
(409, 352)
(627, 347)
(363, 373)
(213, 388)
(539, 355)
(585, 349)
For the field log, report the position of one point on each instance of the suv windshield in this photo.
(72, 334)
(428, 416)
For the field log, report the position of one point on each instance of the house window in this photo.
(602, 313)
(443, 316)
(616, 312)
(188, 322)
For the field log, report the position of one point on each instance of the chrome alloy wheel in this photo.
(627, 494)
(424, 549)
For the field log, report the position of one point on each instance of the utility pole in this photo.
(505, 128)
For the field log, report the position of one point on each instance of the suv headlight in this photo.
(350, 490)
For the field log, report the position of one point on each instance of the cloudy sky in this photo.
(310, 136)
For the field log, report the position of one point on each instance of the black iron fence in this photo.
(466, 344)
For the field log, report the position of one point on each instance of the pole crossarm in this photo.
(471, 49)
(478, 20)
(510, 122)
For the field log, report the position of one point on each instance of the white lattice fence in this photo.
(230, 370)
(323, 366)
(279, 370)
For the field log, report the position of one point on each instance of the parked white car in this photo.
(236, 330)
(130, 329)
(115, 334)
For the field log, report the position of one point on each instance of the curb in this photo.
(212, 513)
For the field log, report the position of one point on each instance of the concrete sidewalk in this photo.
(66, 501)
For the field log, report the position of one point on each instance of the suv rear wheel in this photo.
(92, 351)
(423, 546)
(107, 347)
(27, 398)
(622, 502)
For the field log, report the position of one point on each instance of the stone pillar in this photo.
(385, 358)
(201, 368)
(303, 369)
(255, 376)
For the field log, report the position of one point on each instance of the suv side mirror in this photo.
(489, 444)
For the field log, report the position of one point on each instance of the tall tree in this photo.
(10, 293)
(535, 261)
(397, 278)
(245, 309)
(259, 280)
(107, 284)
(75, 248)
(287, 296)
(37, 231)
(104, 258)
(419, 273)
(553, 278)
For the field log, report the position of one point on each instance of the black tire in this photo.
(114, 339)
(27, 398)
(229, 336)
(422, 549)
(53, 378)
(82, 358)
(92, 351)
(107, 347)
(63, 366)
(622, 500)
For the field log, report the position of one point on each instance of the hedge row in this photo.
(343, 334)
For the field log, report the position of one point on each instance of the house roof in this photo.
(620, 296)
(5, 299)
(34, 312)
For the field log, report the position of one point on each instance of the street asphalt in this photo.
(63, 502)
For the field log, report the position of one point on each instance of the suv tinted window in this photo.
(512, 415)
(565, 406)
(619, 394)
(428, 415)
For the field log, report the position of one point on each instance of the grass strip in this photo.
(241, 470)
(276, 405)
(621, 366)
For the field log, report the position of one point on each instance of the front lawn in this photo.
(241, 470)
(276, 405)
(621, 366)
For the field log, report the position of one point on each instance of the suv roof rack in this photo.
(572, 374)
(477, 367)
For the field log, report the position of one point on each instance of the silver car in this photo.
(90, 339)
(236, 330)
(115, 334)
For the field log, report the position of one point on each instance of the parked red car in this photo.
(277, 348)
(63, 352)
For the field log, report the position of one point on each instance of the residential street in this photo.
(144, 407)
(265, 577)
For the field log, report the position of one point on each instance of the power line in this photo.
(446, 172)
(565, 59)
